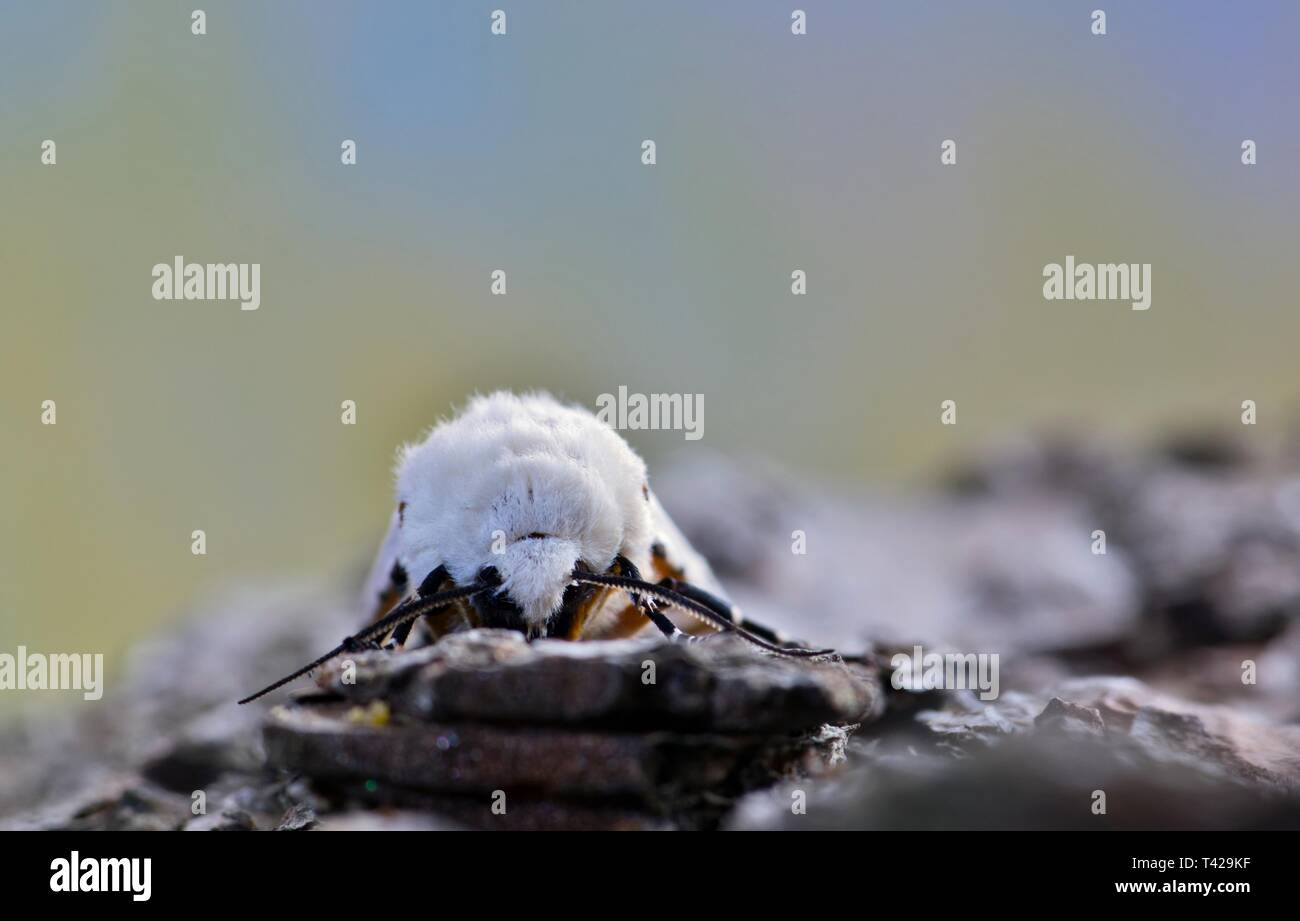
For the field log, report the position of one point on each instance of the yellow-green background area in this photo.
(523, 153)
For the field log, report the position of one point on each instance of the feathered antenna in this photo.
(669, 596)
(404, 613)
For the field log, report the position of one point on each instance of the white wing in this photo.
(680, 554)
(380, 578)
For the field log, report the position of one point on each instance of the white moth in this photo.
(527, 514)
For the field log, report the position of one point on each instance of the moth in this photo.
(527, 514)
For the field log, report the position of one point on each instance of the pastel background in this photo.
(522, 152)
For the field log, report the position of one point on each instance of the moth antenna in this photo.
(404, 613)
(676, 599)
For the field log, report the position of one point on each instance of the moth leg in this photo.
(458, 616)
(433, 626)
(586, 611)
(624, 567)
(666, 626)
(631, 620)
(644, 606)
(628, 621)
(396, 591)
(400, 636)
(729, 611)
(671, 575)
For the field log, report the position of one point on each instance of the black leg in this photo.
(625, 567)
(401, 634)
(718, 606)
(666, 626)
(432, 583)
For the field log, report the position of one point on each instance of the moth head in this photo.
(526, 487)
(532, 573)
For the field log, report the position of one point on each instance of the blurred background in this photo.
(522, 152)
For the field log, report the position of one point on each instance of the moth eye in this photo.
(645, 491)
(401, 513)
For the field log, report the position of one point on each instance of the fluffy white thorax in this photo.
(509, 467)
